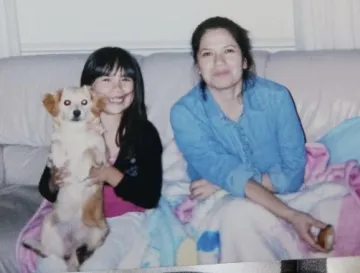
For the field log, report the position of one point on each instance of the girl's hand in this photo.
(302, 223)
(58, 175)
(103, 174)
(202, 189)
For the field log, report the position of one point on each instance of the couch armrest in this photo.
(2, 166)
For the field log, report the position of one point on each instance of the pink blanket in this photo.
(318, 170)
(26, 258)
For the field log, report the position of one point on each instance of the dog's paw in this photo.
(35, 246)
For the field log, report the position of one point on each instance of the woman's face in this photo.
(219, 60)
(117, 89)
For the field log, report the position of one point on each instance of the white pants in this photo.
(123, 248)
(243, 222)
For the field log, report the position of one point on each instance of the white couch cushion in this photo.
(24, 164)
(325, 86)
(23, 82)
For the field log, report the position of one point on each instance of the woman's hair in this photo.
(239, 34)
(103, 62)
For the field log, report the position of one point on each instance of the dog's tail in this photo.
(35, 246)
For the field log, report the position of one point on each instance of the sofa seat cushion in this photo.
(17, 205)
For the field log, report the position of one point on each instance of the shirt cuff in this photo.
(238, 178)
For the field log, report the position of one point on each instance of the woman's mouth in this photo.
(221, 73)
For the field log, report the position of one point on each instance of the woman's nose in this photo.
(219, 58)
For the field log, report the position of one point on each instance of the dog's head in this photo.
(74, 104)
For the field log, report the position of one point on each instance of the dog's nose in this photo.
(77, 113)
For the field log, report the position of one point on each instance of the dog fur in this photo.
(77, 219)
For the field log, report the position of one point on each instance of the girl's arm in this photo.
(49, 193)
(144, 187)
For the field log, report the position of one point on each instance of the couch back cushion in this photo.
(325, 86)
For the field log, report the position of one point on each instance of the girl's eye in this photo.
(84, 102)
(105, 79)
(206, 54)
(67, 102)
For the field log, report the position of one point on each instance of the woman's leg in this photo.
(244, 231)
(262, 236)
(125, 232)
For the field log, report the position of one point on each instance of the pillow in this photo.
(343, 141)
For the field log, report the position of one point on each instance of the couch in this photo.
(324, 84)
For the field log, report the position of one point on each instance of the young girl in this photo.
(134, 180)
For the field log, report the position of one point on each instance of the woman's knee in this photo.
(242, 213)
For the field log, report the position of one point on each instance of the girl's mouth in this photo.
(117, 99)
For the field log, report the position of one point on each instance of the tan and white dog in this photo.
(77, 145)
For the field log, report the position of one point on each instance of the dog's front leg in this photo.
(58, 154)
(97, 155)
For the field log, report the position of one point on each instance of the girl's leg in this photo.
(125, 232)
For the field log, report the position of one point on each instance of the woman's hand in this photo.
(58, 175)
(108, 174)
(202, 189)
(303, 223)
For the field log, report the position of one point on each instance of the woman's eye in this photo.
(84, 102)
(125, 79)
(229, 50)
(105, 79)
(67, 102)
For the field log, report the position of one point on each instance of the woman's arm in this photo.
(208, 157)
(288, 175)
(144, 188)
(45, 189)
(262, 196)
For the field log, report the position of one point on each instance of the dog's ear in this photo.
(51, 102)
(98, 105)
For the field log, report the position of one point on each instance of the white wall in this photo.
(144, 26)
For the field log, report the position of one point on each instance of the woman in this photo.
(134, 179)
(241, 133)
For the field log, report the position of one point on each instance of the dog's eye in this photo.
(84, 102)
(67, 102)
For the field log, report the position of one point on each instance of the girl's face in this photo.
(219, 60)
(117, 89)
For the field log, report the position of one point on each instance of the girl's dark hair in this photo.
(103, 62)
(239, 34)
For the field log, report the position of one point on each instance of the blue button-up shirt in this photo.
(268, 138)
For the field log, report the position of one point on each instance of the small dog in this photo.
(77, 144)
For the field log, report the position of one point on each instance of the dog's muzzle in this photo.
(76, 115)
